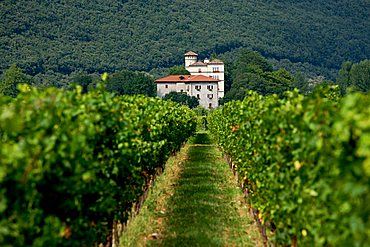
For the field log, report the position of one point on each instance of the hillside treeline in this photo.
(52, 39)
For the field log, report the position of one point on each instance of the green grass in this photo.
(198, 205)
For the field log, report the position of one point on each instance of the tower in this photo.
(211, 68)
(190, 58)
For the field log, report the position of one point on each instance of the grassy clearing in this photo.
(196, 202)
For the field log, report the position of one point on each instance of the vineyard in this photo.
(304, 163)
(72, 164)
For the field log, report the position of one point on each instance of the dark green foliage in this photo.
(278, 82)
(11, 78)
(131, 83)
(182, 98)
(59, 37)
(360, 76)
(84, 80)
(355, 76)
(251, 71)
(343, 78)
(305, 161)
(300, 82)
(249, 60)
(304, 68)
(178, 70)
(71, 164)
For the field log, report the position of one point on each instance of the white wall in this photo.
(190, 60)
(164, 88)
(208, 71)
(204, 93)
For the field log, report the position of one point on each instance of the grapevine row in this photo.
(72, 163)
(305, 163)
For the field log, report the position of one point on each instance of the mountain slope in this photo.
(62, 36)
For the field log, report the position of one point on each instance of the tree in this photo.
(247, 58)
(178, 70)
(214, 56)
(130, 83)
(278, 82)
(355, 76)
(343, 79)
(83, 80)
(360, 76)
(300, 82)
(96, 46)
(251, 71)
(10, 80)
(182, 98)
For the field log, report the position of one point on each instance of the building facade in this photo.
(212, 68)
(202, 87)
(205, 82)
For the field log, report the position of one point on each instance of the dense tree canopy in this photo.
(355, 76)
(178, 70)
(300, 82)
(51, 39)
(251, 71)
(84, 80)
(11, 79)
(130, 83)
(360, 76)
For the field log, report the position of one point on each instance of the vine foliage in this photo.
(71, 164)
(305, 161)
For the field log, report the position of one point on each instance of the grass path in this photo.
(196, 202)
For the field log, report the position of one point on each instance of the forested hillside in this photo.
(61, 36)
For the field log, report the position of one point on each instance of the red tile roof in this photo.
(190, 53)
(187, 78)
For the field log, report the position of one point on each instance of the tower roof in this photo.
(190, 53)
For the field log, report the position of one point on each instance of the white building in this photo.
(202, 87)
(211, 68)
(206, 81)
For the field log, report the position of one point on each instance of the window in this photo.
(216, 69)
(198, 96)
(166, 86)
(182, 90)
(210, 106)
(210, 96)
(210, 87)
(200, 70)
(216, 77)
(198, 87)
